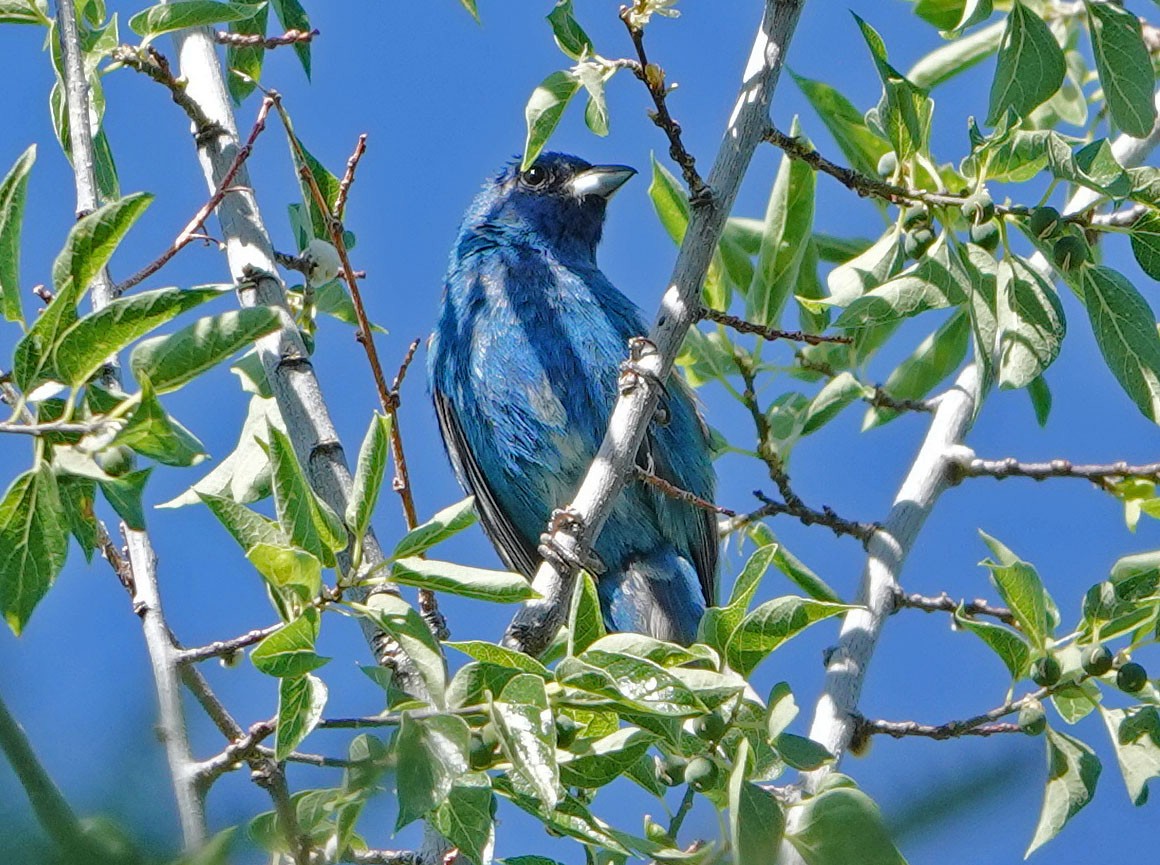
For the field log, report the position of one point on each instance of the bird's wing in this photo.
(652, 456)
(515, 550)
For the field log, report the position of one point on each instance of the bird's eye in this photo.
(535, 177)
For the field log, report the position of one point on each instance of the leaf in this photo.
(1125, 330)
(1031, 65)
(801, 753)
(570, 36)
(173, 361)
(1031, 323)
(837, 393)
(903, 113)
(606, 759)
(151, 432)
(21, 12)
(1124, 66)
(431, 754)
(1076, 701)
(33, 543)
(188, 13)
(782, 710)
(87, 250)
(124, 494)
(288, 568)
(246, 59)
(956, 56)
(719, 623)
(527, 734)
(490, 653)
(773, 623)
(756, 819)
(1145, 236)
(289, 651)
(635, 683)
(292, 16)
(842, 825)
(1022, 591)
(862, 147)
(309, 521)
(936, 357)
(300, 704)
(402, 622)
(952, 15)
(669, 200)
(13, 192)
(84, 347)
(465, 820)
(449, 521)
(500, 587)
(470, 6)
(1135, 734)
(1010, 646)
(247, 527)
(789, 218)
(368, 476)
(867, 271)
(1040, 395)
(77, 498)
(585, 621)
(1072, 772)
(544, 110)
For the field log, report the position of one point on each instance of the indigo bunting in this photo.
(523, 369)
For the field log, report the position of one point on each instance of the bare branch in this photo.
(226, 648)
(953, 730)
(675, 492)
(944, 603)
(290, 37)
(1097, 473)
(771, 333)
(153, 64)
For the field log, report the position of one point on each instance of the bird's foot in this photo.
(561, 554)
(633, 371)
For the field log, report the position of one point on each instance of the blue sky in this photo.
(442, 100)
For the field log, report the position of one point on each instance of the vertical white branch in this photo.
(538, 621)
(190, 807)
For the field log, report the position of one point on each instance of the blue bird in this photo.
(523, 368)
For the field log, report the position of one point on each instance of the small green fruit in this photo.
(671, 770)
(978, 208)
(915, 216)
(709, 728)
(1070, 252)
(887, 164)
(566, 730)
(115, 461)
(1131, 677)
(1046, 671)
(986, 235)
(1043, 222)
(701, 774)
(1032, 719)
(1096, 660)
(917, 242)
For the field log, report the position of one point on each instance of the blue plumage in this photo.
(523, 366)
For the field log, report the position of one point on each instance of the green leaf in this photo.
(87, 250)
(837, 393)
(842, 825)
(1040, 395)
(308, 520)
(527, 734)
(956, 56)
(861, 147)
(33, 543)
(124, 494)
(292, 16)
(402, 622)
(951, 15)
(1145, 236)
(937, 281)
(1022, 591)
(368, 476)
(635, 683)
(287, 568)
(866, 271)
(782, 710)
(1135, 734)
(470, 6)
(77, 498)
(756, 819)
(449, 521)
(903, 114)
(174, 360)
(585, 621)
(1031, 323)
(789, 218)
(432, 755)
(605, 759)
(188, 13)
(1076, 701)
(246, 59)
(669, 200)
(153, 433)
(719, 623)
(474, 680)
(490, 653)
(84, 347)
(570, 36)
(544, 110)
(1072, 772)
(300, 704)
(247, 527)
(13, 192)
(1125, 329)
(21, 12)
(326, 182)
(465, 820)
(982, 305)
(1124, 66)
(935, 358)
(1031, 65)
(773, 623)
(289, 651)
(499, 587)
(1009, 645)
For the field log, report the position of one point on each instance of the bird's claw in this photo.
(564, 557)
(633, 371)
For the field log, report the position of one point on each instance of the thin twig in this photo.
(682, 812)
(944, 603)
(152, 63)
(809, 517)
(902, 729)
(1097, 473)
(348, 177)
(226, 648)
(51, 427)
(653, 78)
(675, 492)
(770, 333)
(193, 228)
(879, 397)
(250, 40)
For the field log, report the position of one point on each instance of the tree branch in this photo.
(1097, 473)
(538, 621)
(944, 603)
(771, 333)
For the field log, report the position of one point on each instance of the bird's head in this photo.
(557, 203)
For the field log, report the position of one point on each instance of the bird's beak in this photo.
(602, 180)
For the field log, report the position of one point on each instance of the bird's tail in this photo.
(657, 593)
